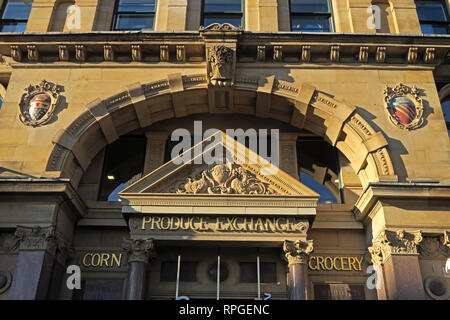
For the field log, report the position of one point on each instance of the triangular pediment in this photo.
(240, 172)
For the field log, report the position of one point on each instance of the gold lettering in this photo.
(278, 226)
(330, 266)
(229, 225)
(335, 264)
(105, 258)
(236, 226)
(289, 225)
(192, 224)
(203, 225)
(182, 225)
(359, 263)
(249, 224)
(270, 224)
(156, 221)
(351, 263)
(342, 264)
(260, 224)
(310, 265)
(167, 220)
(84, 259)
(172, 227)
(145, 220)
(115, 259)
(320, 263)
(218, 224)
(96, 255)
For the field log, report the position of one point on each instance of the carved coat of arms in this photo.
(404, 106)
(38, 103)
(220, 65)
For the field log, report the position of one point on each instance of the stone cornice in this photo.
(30, 187)
(189, 47)
(377, 191)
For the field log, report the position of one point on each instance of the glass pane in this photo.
(325, 194)
(431, 11)
(14, 27)
(136, 6)
(428, 28)
(236, 22)
(17, 10)
(222, 6)
(134, 21)
(309, 6)
(446, 109)
(249, 272)
(310, 24)
(99, 290)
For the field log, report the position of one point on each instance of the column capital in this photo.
(40, 238)
(297, 252)
(139, 250)
(390, 242)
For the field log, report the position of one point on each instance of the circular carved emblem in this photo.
(38, 103)
(404, 106)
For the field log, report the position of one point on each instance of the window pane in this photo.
(124, 163)
(134, 22)
(99, 290)
(136, 6)
(222, 6)
(310, 24)
(309, 6)
(188, 271)
(14, 27)
(446, 109)
(429, 28)
(236, 22)
(431, 11)
(17, 10)
(249, 272)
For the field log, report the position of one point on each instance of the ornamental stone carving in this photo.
(297, 252)
(224, 179)
(38, 103)
(139, 250)
(432, 247)
(398, 242)
(220, 65)
(445, 239)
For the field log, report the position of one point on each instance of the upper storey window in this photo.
(216, 11)
(14, 15)
(311, 16)
(134, 14)
(433, 17)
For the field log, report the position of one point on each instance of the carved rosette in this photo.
(297, 252)
(398, 242)
(224, 179)
(220, 65)
(139, 250)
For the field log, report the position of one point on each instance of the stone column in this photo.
(296, 254)
(38, 274)
(396, 255)
(156, 146)
(288, 154)
(139, 253)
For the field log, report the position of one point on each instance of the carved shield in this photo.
(38, 103)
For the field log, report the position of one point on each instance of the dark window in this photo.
(123, 165)
(14, 15)
(446, 110)
(134, 14)
(311, 16)
(249, 273)
(339, 292)
(99, 290)
(188, 271)
(217, 11)
(319, 169)
(433, 17)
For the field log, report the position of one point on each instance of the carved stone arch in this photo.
(302, 106)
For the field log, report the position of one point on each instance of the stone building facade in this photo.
(87, 180)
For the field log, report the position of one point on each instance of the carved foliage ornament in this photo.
(404, 106)
(139, 250)
(220, 65)
(224, 179)
(432, 247)
(296, 252)
(38, 103)
(394, 242)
